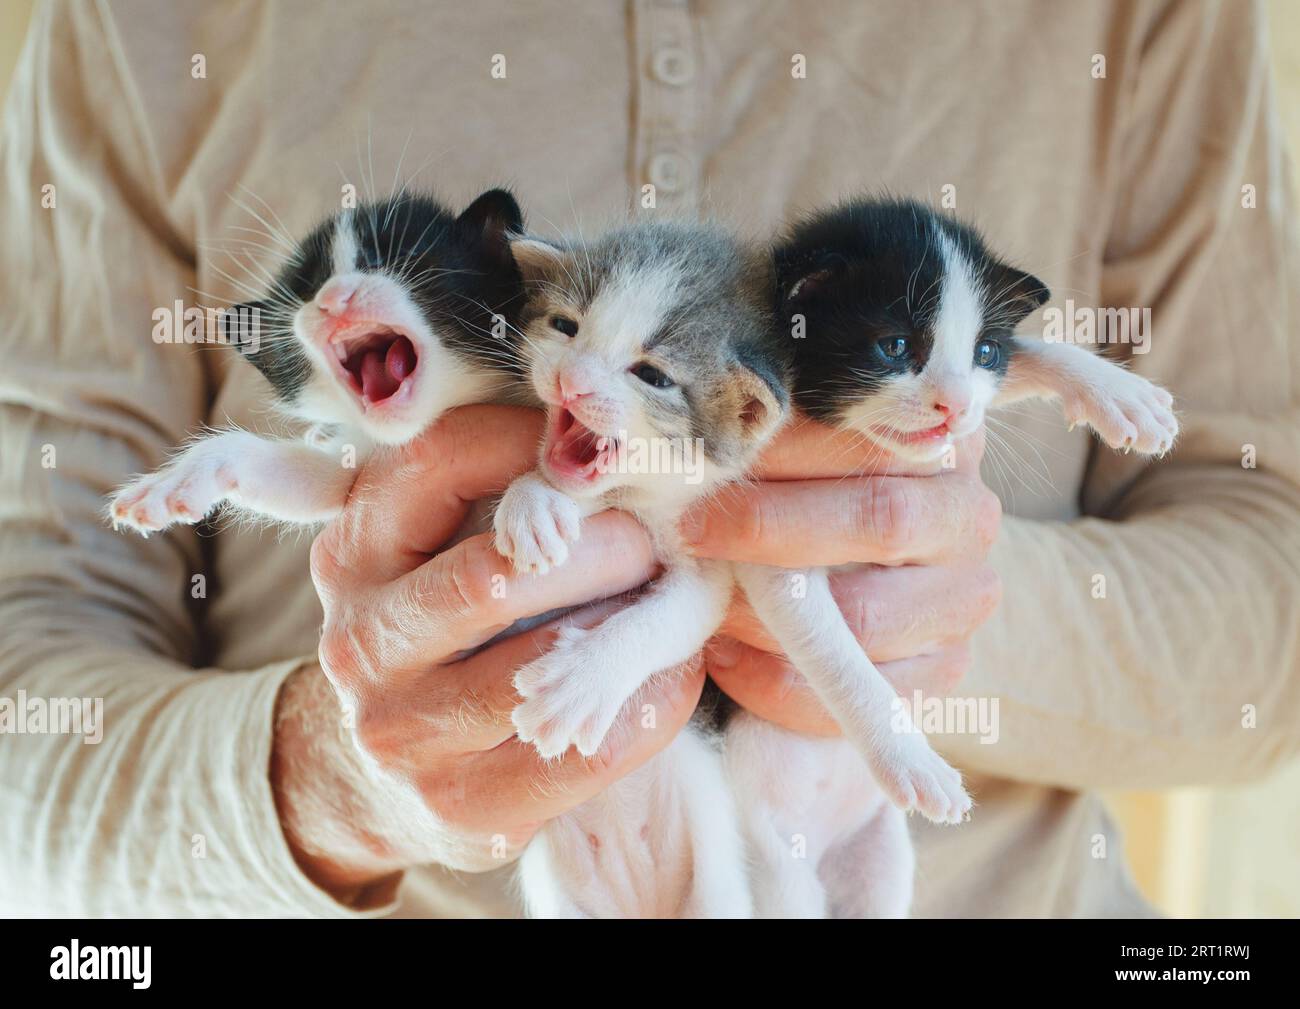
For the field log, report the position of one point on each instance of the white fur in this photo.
(823, 839)
(287, 481)
(308, 482)
(858, 860)
(625, 853)
(813, 634)
(1127, 411)
(667, 836)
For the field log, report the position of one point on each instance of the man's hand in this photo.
(825, 499)
(411, 757)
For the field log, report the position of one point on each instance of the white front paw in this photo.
(534, 525)
(564, 703)
(915, 777)
(1127, 411)
(182, 492)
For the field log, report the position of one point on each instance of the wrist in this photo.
(321, 792)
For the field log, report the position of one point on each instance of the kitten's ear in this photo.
(801, 284)
(756, 403)
(1015, 293)
(536, 259)
(490, 222)
(241, 326)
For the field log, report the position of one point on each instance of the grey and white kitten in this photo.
(908, 341)
(382, 319)
(654, 343)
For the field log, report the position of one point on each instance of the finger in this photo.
(935, 674)
(809, 450)
(821, 523)
(895, 612)
(409, 500)
(464, 707)
(468, 593)
(771, 688)
(513, 777)
(767, 686)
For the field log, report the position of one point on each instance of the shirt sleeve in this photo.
(1156, 643)
(170, 811)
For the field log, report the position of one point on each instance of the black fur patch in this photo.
(871, 270)
(457, 270)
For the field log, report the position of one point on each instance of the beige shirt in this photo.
(1123, 184)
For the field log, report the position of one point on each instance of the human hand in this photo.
(430, 770)
(825, 498)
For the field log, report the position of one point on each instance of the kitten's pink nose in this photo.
(574, 383)
(335, 296)
(950, 404)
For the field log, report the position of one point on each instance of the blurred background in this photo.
(1194, 852)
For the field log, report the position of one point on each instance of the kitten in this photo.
(384, 318)
(908, 342)
(655, 342)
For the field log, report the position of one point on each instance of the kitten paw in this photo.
(563, 701)
(1127, 412)
(182, 492)
(915, 777)
(534, 525)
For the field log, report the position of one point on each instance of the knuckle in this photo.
(465, 585)
(755, 521)
(886, 517)
(608, 756)
(337, 655)
(326, 567)
(868, 614)
(347, 655)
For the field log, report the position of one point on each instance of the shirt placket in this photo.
(664, 131)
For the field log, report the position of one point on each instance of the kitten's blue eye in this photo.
(893, 347)
(563, 324)
(370, 258)
(651, 375)
(987, 354)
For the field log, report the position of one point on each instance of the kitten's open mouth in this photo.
(575, 451)
(376, 363)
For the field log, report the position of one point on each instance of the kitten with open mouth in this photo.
(651, 336)
(908, 340)
(385, 317)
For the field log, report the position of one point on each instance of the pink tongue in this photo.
(382, 369)
(400, 361)
(376, 382)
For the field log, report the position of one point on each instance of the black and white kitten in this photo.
(908, 340)
(385, 317)
(654, 351)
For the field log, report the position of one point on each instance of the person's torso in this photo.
(750, 113)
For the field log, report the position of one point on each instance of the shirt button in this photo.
(672, 65)
(668, 172)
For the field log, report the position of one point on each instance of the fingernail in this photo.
(723, 653)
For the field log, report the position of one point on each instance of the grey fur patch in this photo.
(717, 334)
